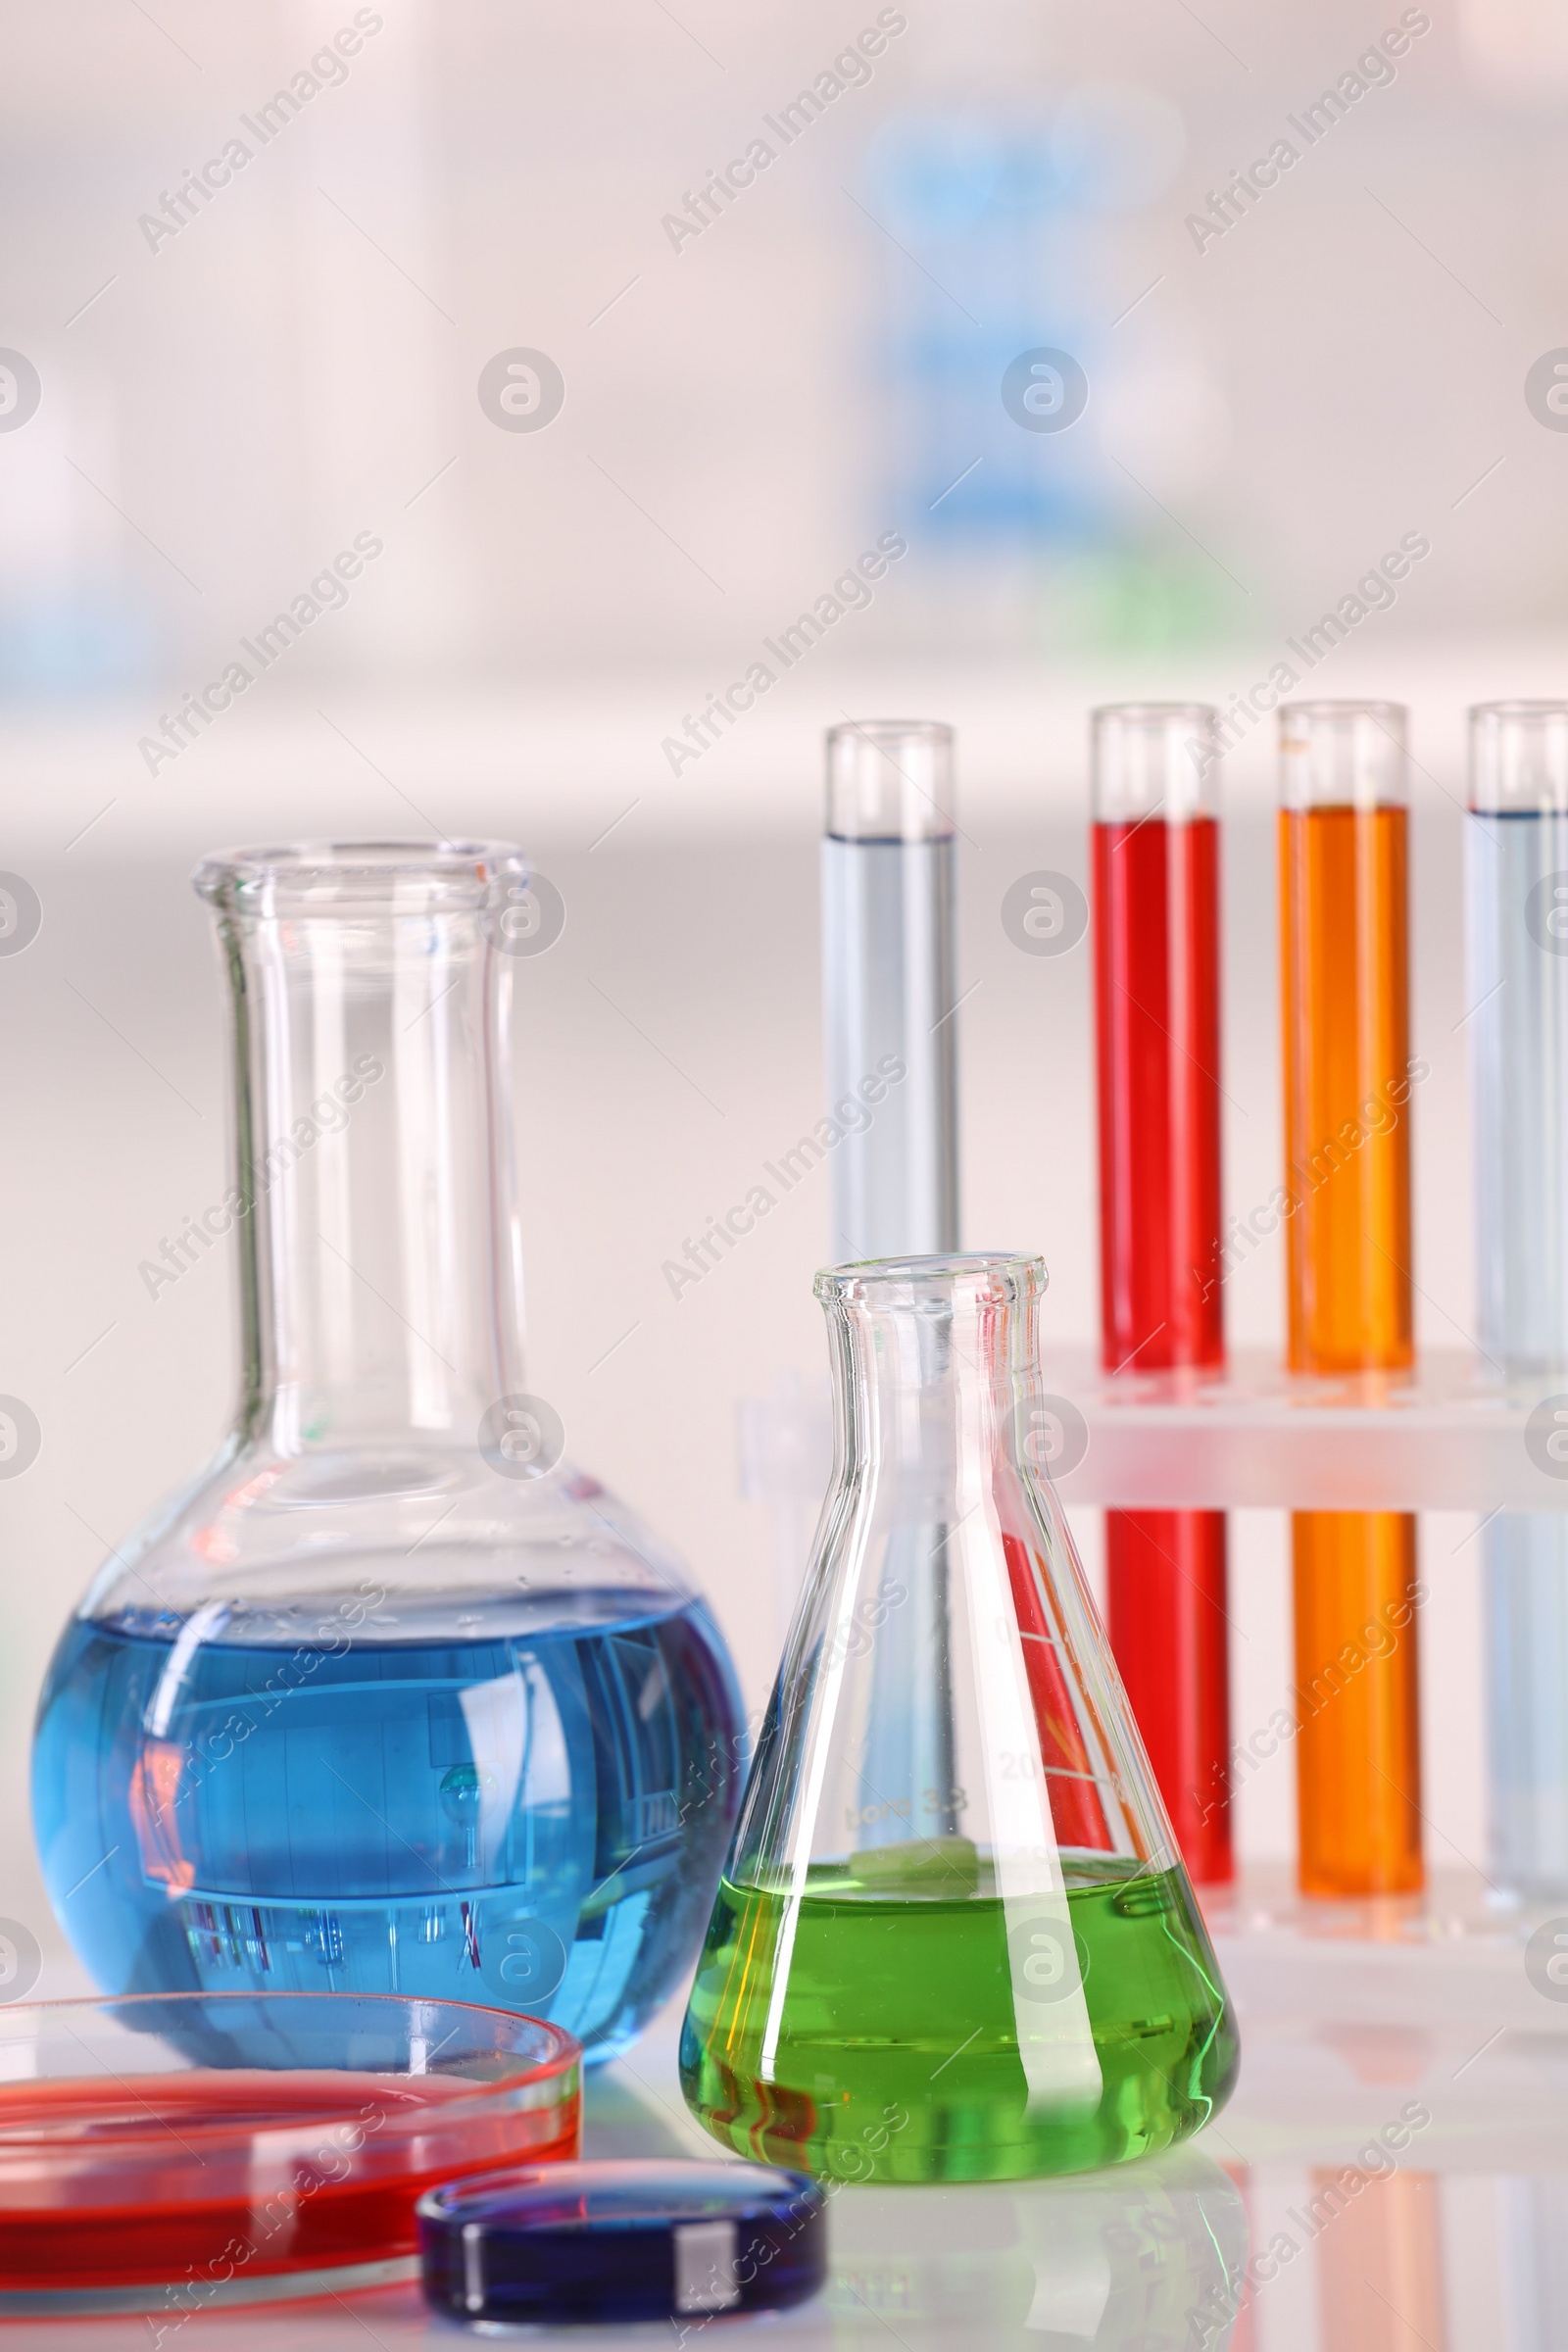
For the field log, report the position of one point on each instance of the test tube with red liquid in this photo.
(1155, 853)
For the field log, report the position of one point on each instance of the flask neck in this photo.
(372, 1195)
(937, 1386)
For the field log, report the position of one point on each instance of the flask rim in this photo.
(330, 877)
(1010, 1274)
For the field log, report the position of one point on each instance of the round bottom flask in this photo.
(391, 1700)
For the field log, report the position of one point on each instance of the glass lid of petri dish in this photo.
(177, 2152)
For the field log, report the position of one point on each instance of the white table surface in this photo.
(1461, 2246)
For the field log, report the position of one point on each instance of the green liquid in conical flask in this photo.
(894, 2052)
(952, 1940)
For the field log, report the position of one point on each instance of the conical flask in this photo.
(390, 1698)
(983, 1970)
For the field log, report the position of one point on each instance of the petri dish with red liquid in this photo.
(179, 2152)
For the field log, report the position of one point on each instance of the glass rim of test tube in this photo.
(1343, 753)
(1518, 758)
(890, 779)
(1146, 760)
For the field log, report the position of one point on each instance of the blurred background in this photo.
(305, 278)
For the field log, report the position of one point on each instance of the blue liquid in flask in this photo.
(514, 1805)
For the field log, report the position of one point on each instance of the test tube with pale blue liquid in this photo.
(1517, 876)
(888, 1001)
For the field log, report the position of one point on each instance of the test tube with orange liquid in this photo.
(1348, 1080)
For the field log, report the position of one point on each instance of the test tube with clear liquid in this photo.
(891, 1051)
(1345, 1002)
(1517, 895)
(888, 988)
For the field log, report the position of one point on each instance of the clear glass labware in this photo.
(1517, 873)
(391, 1699)
(888, 992)
(1155, 843)
(1344, 859)
(953, 1939)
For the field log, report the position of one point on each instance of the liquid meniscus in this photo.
(492, 1807)
(893, 2053)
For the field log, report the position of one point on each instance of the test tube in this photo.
(1156, 858)
(892, 1063)
(888, 988)
(1517, 888)
(1344, 954)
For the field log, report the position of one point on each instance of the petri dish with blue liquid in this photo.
(615, 2242)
